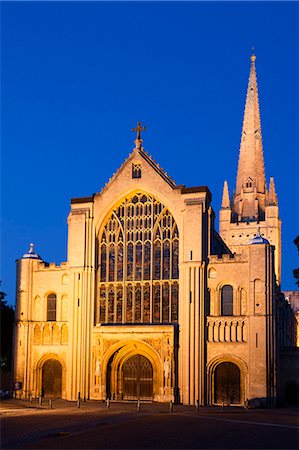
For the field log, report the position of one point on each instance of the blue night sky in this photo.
(76, 77)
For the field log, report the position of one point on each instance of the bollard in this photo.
(40, 401)
(78, 401)
(108, 403)
(170, 406)
(197, 406)
(30, 399)
(138, 404)
(50, 403)
(222, 405)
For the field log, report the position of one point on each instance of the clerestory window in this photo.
(138, 264)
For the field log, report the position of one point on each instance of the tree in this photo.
(296, 271)
(7, 325)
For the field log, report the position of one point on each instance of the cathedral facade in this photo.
(152, 303)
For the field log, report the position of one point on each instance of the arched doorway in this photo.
(227, 381)
(51, 378)
(137, 375)
(291, 394)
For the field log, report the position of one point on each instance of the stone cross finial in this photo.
(138, 129)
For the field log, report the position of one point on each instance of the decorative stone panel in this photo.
(227, 329)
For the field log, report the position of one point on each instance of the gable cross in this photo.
(138, 129)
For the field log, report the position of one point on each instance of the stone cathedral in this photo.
(152, 303)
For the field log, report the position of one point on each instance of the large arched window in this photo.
(51, 307)
(138, 264)
(227, 305)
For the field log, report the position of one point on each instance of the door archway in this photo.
(52, 378)
(227, 384)
(137, 377)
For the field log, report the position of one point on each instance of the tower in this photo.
(253, 209)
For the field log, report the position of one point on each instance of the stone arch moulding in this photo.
(227, 358)
(124, 350)
(65, 279)
(212, 273)
(37, 373)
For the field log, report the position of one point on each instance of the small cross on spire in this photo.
(138, 129)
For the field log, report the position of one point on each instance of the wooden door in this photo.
(51, 378)
(138, 378)
(227, 384)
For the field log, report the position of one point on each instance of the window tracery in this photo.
(138, 271)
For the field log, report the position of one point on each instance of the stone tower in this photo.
(253, 209)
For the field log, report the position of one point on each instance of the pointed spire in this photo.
(272, 197)
(225, 197)
(251, 171)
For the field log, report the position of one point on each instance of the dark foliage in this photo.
(7, 325)
(296, 271)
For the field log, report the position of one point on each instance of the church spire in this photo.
(249, 199)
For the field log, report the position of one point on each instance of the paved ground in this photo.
(26, 426)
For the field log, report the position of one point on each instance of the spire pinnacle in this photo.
(225, 197)
(272, 197)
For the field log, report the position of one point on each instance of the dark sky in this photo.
(76, 77)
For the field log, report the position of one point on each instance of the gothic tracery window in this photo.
(138, 264)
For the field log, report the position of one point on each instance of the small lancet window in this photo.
(51, 308)
(249, 183)
(136, 170)
(227, 300)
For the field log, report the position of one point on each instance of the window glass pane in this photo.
(157, 260)
(111, 305)
(103, 263)
(227, 301)
(146, 303)
(130, 261)
(166, 260)
(111, 262)
(174, 302)
(138, 304)
(147, 261)
(156, 302)
(102, 304)
(129, 305)
(51, 307)
(138, 265)
(165, 303)
(119, 303)
(120, 261)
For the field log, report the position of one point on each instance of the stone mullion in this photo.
(152, 260)
(125, 254)
(170, 301)
(107, 300)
